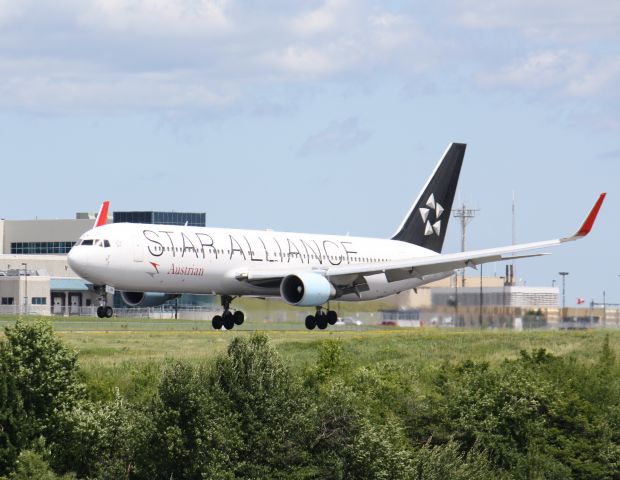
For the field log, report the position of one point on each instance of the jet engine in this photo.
(306, 289)
(147, 299)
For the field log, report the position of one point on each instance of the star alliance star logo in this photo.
(437, 209)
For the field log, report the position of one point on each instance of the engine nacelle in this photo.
(147, 299)
(306, 289)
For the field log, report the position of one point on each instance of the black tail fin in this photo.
(427, 221)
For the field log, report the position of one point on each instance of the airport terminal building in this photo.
(34, 274)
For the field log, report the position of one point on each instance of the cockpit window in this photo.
(98, 242)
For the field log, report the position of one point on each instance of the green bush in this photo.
(31, 466)
(14, 425)
(189, 435)
(99, 439)
(45, 373)
(539, 416)
(448, 461)
(272, 411)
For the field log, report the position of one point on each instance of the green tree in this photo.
(31, 466)
(499, 410)
(331, 362)
(350, 442)
(99, 439)
(13, 421)
(272, 412)
(45, 372)
(440, 462)
(190, 435)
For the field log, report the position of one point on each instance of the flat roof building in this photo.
(162, 218)
(34, 273)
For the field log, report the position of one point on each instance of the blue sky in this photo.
(320, 116)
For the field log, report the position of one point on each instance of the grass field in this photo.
(115, 342)
(129, 353)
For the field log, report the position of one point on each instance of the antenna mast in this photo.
(514, 237)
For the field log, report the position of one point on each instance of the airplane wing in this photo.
(422, 266)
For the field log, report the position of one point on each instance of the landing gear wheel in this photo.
(238, 317)
(100, 312)
(310, 322)
(108, 312)
(332, 317)
(321, 321)
(217, 322)
(227, 320)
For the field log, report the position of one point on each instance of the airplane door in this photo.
(138, 253)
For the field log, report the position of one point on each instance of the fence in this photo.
(490, 318)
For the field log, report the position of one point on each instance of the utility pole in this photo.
(563, 294)
(465, 215)
(481, 295)
(514, 236)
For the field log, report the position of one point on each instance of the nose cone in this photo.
(78, 260)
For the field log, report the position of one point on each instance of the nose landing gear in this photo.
(228, 319)
(103, 310)
(322, 319)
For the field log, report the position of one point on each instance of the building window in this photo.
(41, 248)
(39, 301)
(7, 300)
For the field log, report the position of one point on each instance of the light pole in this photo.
(604, 309)
(563, 274)
(480, 319)
(25, 288)
(456, 298)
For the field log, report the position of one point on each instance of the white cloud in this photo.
(338, 137)
(52, 86)
(158, 17)
(325, 18)
(597, 79)
(539, 70)
(194, 53)
(574, 74)
(117, 54)
(570, 21)
(298, 59)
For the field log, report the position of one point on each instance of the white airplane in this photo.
(151, 264)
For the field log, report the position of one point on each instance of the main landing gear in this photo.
(321, 319)
(228, 319)
(103, 310)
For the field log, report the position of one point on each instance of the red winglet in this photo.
(587, 225)
(102, 217)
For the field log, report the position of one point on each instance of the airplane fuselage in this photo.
(183, 259)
